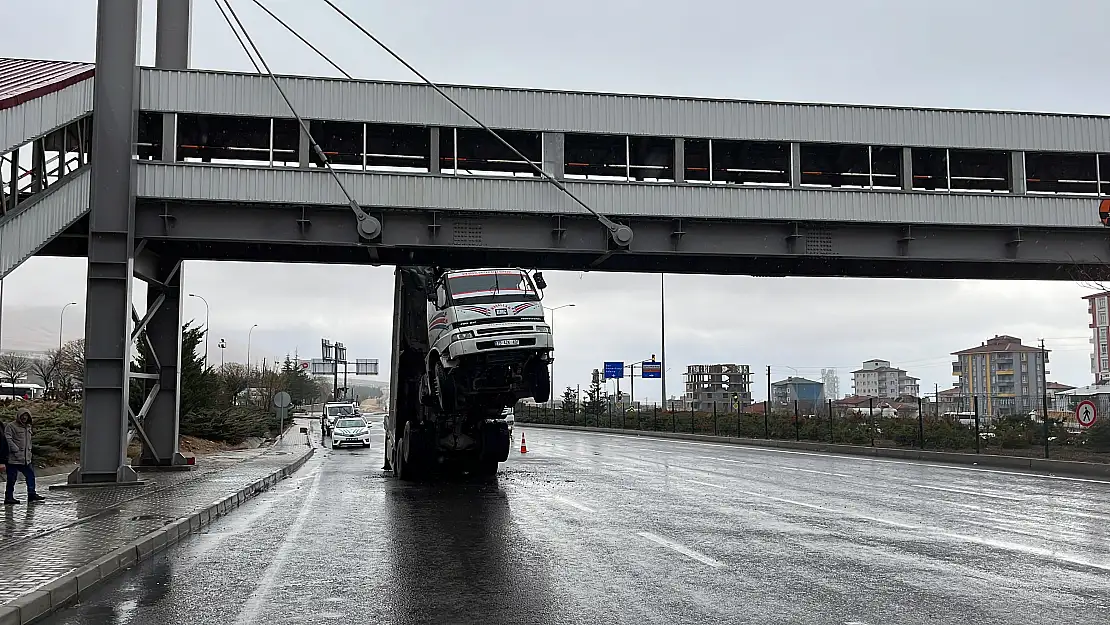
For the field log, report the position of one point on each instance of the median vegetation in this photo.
(226, 405)
(1018, 436)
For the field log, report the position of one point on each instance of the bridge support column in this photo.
(679, 160)
(795, 165)
(171, 51)
(554, 159)
(304, 146)
(1018, 184)
(111, 248)
(907, 169)
(158, 422)
(433, 151)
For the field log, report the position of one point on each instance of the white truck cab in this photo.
(488, 340)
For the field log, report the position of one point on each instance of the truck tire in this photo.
(445, 388)
(406, 452)
(541, 382)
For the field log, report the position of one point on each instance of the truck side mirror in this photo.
(541, 284)
(440, 298)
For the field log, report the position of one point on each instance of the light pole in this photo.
(206, 311)
(663, 334)
(61, 317)
(249, 346)
(551, 399)
(222, 345)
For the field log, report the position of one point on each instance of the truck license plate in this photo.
(506, 343)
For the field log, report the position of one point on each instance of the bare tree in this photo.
(233, 379)
(13, 368)
(71, 367)
(46, 369)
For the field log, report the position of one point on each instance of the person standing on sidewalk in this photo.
(18, 437)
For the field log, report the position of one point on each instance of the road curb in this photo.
(64, 591)
(1069, 467)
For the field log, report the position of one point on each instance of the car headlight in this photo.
(468, 334)
(546, 329)
(364, 433)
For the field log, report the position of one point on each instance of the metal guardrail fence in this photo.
(1014, 436)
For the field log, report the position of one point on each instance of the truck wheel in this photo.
(541, 382)
(445, 389)
(407, 451)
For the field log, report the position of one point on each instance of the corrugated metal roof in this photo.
(22, 80)
(223, 93)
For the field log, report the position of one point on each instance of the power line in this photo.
(235, 32)
(303, 40)
(360, 214)
(608, 223)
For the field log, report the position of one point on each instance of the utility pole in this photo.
(1044, 396)
(767, 407)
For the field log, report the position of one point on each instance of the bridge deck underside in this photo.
(285, 233)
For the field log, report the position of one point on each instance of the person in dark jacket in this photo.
(18, 436)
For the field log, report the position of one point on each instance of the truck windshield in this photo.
(489, 286)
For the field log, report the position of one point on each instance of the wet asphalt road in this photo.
(590, 528)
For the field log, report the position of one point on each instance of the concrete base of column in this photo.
(177, 462)
(124, 476)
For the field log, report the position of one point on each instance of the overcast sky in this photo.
(1003, 54)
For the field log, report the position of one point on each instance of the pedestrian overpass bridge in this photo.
(154, 166)
(707, 186)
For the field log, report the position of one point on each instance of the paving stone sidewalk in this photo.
(42, 542)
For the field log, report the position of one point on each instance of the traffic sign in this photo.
(1086, 413)
(651, 369)
(282, 399)
(613, 370)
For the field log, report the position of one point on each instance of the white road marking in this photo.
(252, 608)
(704, 559)
(814, 471)
(974, 493)
(706, 484)
(574, 504)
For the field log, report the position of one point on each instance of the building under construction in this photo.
(720, 385)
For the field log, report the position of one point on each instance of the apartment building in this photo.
(1100, 321)
(1006, 376)
(877, 378)
(709, 385)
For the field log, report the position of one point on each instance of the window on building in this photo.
(1102, 335)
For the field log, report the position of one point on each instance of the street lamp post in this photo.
(551, 398)
(222, 345)
(61, 318)
(249, 332)
(206, 311)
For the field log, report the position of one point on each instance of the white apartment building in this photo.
(877, 378)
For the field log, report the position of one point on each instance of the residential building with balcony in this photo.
(1100, 322)
(1006, 376)
(877, 378)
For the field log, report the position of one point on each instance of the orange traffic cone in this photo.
(523, 446)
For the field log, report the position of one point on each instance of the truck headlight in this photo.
(464, 335)
(546, 329)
